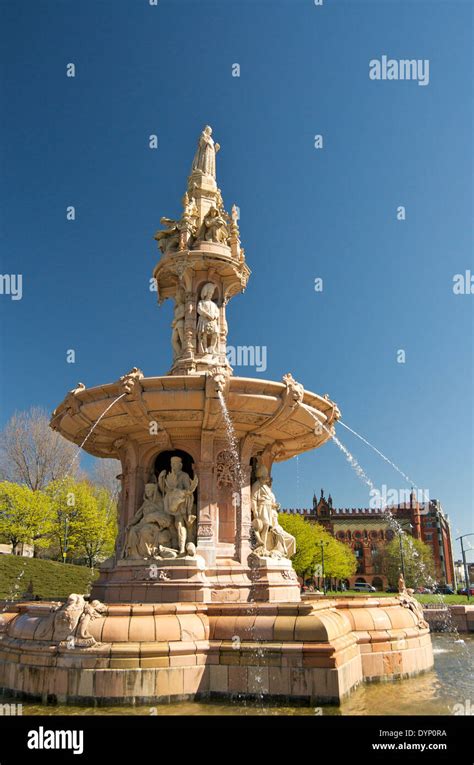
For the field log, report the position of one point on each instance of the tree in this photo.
(306, 540)
(339, 560)
(105, 476)
(97, 527)
(33, 454)
(85, 520)
(25, 515)
(418, 562)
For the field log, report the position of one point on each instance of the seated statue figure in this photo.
(150, 527)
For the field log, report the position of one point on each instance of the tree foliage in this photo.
(339, 560)
(25, 515)
(418, 562)
(85, 519)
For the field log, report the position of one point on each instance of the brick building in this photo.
(367, 531)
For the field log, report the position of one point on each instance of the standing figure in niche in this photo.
(208, 321)
(178, 488)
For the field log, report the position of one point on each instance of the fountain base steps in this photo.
(316, 652)
(191, 580)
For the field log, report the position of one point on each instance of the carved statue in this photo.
(177, 325)
(151, 527)
(68, 623)
(272, 540)
(169, 238)
(187, 224)
(408, 601)
(92, 610)
(177, 488)
(208, 321)
(401, 584)
(205, 156)
(215, 227)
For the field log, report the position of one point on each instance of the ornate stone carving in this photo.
(214, 227)
(226, 474)
(168, 239)
(164, 524)
(130, 383)
(272, 541)
(187, 224)
(205, 531)
(150, 528)
(294, 390)
(177, 325)
(208, 321)
(177, 489)
(67, 624)
(204, 161)
(408, 601)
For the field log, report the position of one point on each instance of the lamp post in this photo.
(402, 555)
(466, 568)
(322, 543)
(402, 559)
(66, 529)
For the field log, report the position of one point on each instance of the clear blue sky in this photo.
(304, 213)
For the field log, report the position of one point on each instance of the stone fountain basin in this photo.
(316, 652)
(184, 406)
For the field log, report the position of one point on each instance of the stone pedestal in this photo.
(184, 580)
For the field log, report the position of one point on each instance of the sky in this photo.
(306, 213)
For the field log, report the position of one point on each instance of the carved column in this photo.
(190, 325)
(244, 517)
(207, 528)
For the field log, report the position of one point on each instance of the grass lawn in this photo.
(49, 580)
(439, 599)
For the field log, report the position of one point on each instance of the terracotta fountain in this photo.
(201, 590)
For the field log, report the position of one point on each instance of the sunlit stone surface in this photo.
(200, 597)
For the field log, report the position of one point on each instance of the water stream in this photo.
(232, 441)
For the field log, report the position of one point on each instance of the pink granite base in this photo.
(149, 653)
(261, 581)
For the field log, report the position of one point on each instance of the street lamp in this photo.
(66, 529)
(466, 569)
(402, 556)
(322, 543)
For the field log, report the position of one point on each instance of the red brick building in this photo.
(367, 531)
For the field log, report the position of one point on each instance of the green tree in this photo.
(339, 560)
(418, 562)
(97, 527)
(85, 520)
(306, 539)
(25, 515)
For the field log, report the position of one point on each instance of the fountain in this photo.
(200, 591)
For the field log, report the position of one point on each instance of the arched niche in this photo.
(163, 462)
